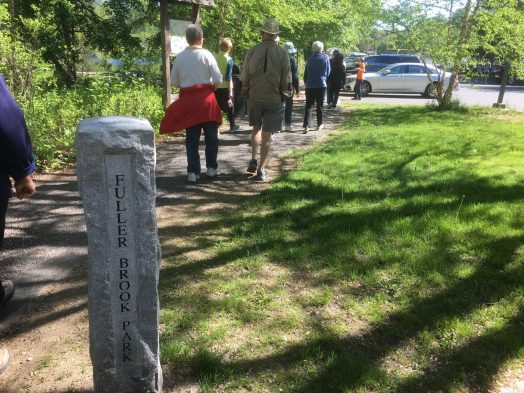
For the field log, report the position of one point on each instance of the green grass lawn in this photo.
(390, 260)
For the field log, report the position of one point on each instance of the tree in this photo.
(337, 23)
(500, 23)
(442, 31)
(62, 28)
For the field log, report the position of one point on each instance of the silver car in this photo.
(400, 78)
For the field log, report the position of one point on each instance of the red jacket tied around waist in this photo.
(196, 104)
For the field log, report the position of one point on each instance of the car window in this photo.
(410, 59)
(416, 69)
(390, 59)
(400, 69)
(375, 67)
(372, 60)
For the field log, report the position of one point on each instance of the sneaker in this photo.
(329, 106)
(236, 127)
(4, 359)
(306, 130)
(288, 127)
(273, 137)
(261, 175)
(320, 127)
(212, 172)
(9, 291)
(192, 177)
(252, 166)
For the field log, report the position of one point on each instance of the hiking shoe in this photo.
(252, 166)
(236, 127)
(212, 172)
(261, 175)
(288, 127)
(9, 291)
(306, 130)
(192, 177)
(320, 127)
(4, 359)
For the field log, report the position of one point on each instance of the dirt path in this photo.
(45, 326)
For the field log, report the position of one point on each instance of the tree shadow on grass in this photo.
(356, 360)
(327, 239)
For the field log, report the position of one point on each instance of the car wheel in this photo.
(365, 88)
(431, 90)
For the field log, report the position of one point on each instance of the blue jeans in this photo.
(192, 140)
(289, 110)
(358, 88)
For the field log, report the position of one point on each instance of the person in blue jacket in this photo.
(315, 76)
(17, 163)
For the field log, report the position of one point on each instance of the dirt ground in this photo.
(45, 327)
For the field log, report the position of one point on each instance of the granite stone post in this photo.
(116, 178)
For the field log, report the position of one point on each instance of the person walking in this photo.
(315, 75)
(360, 77)
(265, 83)
(293, 85)
(225, 93)
(195, 71)
(336, 79)
(17, 163)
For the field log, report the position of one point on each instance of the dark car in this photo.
(377, 62)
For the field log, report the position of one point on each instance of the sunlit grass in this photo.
(389, 260)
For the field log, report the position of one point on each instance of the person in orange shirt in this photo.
(360, 77)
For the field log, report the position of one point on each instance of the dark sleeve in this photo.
(294, 75)
(16, 153)
(305, 75)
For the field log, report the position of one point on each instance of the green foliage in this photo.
(62, 29)
(20, 61)
(52, 116)
(500, 25)
(441, 31)
(336, 23)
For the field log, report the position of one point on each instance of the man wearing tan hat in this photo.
(264, 84)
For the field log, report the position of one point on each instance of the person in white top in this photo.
(195, 71)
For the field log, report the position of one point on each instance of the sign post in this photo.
(173, 37)
(116, 179)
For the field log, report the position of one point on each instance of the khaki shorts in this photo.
(266, 116)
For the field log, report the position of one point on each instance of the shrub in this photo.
(52, 116)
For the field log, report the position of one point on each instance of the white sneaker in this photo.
(212, 172)
(288, 127)
(192, 177)
(4, 359)
(306, 130)
(320, 127)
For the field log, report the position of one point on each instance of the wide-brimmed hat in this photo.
(270, 26)
(290, 47)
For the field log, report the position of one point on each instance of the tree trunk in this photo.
(503, 83)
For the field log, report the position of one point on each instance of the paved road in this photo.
(483, 95)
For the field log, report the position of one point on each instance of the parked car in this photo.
(377, 62)
(351, 59)
(401, 78)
